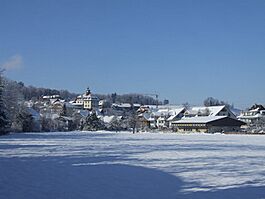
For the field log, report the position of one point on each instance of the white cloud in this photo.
(14, 62)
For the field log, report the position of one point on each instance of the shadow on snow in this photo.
(64, 178)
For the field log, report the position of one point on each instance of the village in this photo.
(88, 112)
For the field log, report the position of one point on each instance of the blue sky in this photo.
(183, 50)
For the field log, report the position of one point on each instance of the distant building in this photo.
(207, 124)
(125, 106)
(177, 115)
(252, 115)
(86, 101)
(161, 122)
(160, 117)
(48, 97)
(146, 120)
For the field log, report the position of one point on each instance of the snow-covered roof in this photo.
(65, 118)
(50, 96)
(171, 117)
(101, 102)
(201, 119)
(147, 116)
(87, 97)
(56, 101)
(175, 113)
(83, 113)
(90, 97)
(167, 112)
(107, 119)
(251, 116)
(122, 105)
(165, 106)
(213, 110)
(137, 105)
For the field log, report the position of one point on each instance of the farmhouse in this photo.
(207, 124)
(252, 115)
(177, 115)
(146, 120)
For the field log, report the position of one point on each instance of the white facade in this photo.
(252, 116)
(86, 101)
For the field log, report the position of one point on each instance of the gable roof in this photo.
(148, 117)
(213, 110)
(176, 112)
(210, 119)
(198, 120)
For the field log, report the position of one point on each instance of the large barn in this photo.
(207, 124)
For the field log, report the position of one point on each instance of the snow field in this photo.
(125, 165)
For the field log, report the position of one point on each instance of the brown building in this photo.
(207, 124)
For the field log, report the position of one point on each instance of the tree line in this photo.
(15, 116)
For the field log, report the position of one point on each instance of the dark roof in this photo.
(257, 106)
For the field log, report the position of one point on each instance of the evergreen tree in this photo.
(64, 111)
(115, 125)
(24, 120)
(93, 123)
(4, 121)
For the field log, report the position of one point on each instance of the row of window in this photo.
(197, 125)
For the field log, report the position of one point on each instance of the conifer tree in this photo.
(4, 121)
(24, 120)
(93, 123)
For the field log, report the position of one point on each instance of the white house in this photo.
(177, 115)
(252, 115)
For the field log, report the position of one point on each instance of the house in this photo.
(161, 122)
(52, 108)
(143, 109)
(101, 103)
(122, 106)
(57, 106)
(63, 123)
(253, 115)
(178, 113)
(161, 116)
(48, 97)
(147, 121)
(207, 124)
(164, 115)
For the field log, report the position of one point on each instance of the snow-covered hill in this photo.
(132, 166)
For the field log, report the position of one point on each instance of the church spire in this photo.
(88, 92)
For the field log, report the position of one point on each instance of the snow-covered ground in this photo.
(106, 165)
